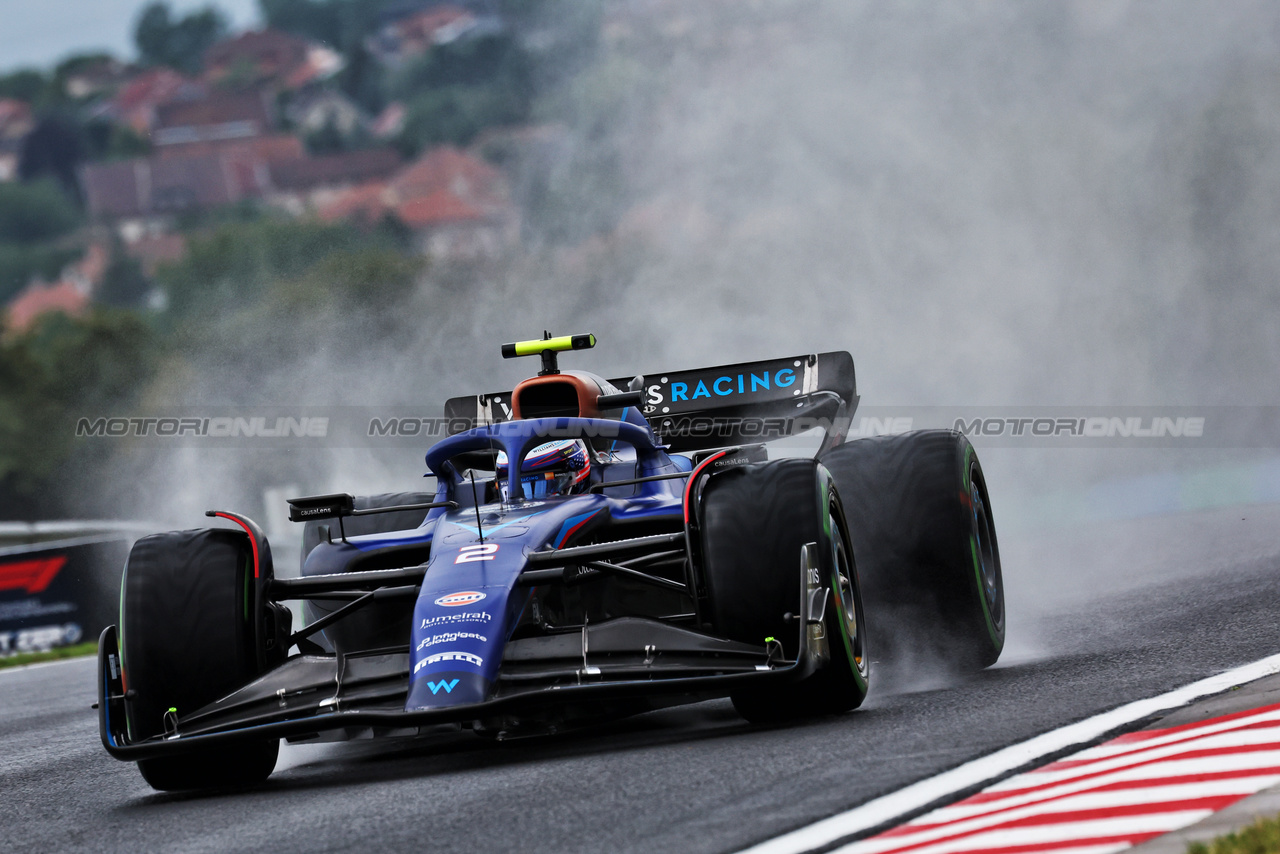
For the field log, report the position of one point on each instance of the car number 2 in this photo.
(480, 551)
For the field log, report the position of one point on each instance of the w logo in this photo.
(447, 686)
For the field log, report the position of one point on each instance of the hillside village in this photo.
(273, 123)
(346, 179)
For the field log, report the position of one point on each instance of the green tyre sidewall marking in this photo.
(825, 489)
(858, 673)
(966, 480)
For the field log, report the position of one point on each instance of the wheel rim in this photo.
(849, 606)
(988, 565)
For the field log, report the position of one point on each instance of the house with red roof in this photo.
(458, 206)
(38, 299)
(143, 193)
(217, 117)
(270, 57)
(141, 196)
(69, 295)
(308, 183)
(136, 102)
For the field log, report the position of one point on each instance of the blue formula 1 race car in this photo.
(589, 552)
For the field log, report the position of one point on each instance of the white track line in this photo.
(973, 774)
(23, 668)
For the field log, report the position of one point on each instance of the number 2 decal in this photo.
(481, 551)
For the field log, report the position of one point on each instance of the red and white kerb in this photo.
(1107, 798)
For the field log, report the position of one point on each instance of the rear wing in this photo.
(747, 403)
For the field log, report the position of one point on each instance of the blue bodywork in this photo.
(470, 600)
(460, 585)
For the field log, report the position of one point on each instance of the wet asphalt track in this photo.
(1098, 617)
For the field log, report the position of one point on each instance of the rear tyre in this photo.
(755, 521)
(921, 524)
(187, 640)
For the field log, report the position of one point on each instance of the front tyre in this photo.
(187, 640)
(842, 684)
(755, 521)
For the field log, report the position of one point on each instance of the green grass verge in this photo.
(21, 658)
(1261, 837)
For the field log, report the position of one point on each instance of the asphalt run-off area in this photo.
(1102, 615)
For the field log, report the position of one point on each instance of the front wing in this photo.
(310, 696)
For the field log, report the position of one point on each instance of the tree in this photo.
(61, 369)
(26, 84)
(53, 149)
(19, 264)
(178, 43)
(341, 24)
(240, 264)
(456, 90)
(456, 115)
(327, 139)
(321, 21)
(79, 63)
(35, 212)
(566, 32)
(107, 140)
(361, 80)
(124, 285)
(32, 216)
(352, 279)
(496, 61)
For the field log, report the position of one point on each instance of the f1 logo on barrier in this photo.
(32, 576)
(478, 552)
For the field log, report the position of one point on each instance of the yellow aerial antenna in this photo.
(547, 347)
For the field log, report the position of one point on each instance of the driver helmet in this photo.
(552, 468)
